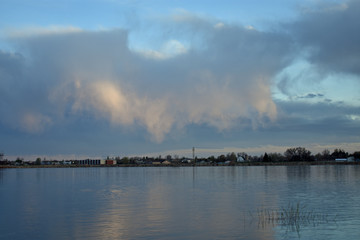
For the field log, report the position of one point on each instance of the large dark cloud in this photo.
(95, 74)
(318, 117)
(331, 35)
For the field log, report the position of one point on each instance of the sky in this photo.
(103, 78)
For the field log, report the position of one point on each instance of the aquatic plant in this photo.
(294, 216)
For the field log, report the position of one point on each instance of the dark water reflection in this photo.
(176, 203)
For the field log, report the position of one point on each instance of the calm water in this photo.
(177, 203)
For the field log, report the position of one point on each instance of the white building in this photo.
(240, 159)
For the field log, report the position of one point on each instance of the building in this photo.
(110, 162)
(90, 162)
(349, 159)
(240, 159)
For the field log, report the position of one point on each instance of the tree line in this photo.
(296, 154)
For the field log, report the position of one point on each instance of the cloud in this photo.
(38, 31)
(331, 36)
(107, 100)
(170, 49)
(311, 95)
(204, 78)
(320, 119)
(325, 55)
(219, 25)
(34, 122)
(95, 74)
(18, 106)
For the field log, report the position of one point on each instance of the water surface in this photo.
(177, 202)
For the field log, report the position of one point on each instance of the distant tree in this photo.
(19, 161)
(254, 158)
(298, 154)
(125, 160)
(211, 159)
(38, 161)
(118, 160)
(132, 160)
(221, 158)
(339, 153)
(266, 158)
(325, 154)
(231, 157)
(276, 157)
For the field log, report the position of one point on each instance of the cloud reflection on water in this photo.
(181, 204)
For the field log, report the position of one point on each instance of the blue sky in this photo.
(97, 78)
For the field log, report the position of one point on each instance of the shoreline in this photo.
(244, 164)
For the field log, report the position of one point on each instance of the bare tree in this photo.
(298, 154)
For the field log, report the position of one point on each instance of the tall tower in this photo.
(193, 150)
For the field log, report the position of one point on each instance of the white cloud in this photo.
(110, 102)
(170, 49)
(219, 25)
(354, 117)
(31, 31)
(249, 27)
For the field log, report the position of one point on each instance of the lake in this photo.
(180, 202)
